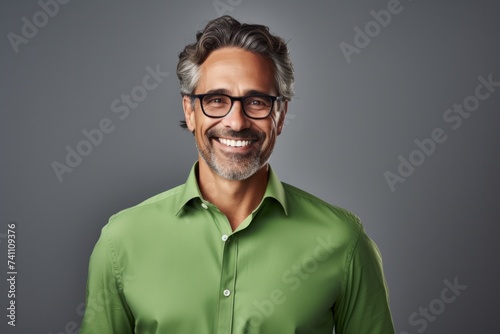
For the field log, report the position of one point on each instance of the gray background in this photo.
(346, 127)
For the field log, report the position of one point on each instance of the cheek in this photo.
(198, 123)
(271, 135)
(202, 126)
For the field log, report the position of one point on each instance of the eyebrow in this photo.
(226, 92)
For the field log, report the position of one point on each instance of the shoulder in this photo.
(315, 211)
(146, 212)
(301, 199)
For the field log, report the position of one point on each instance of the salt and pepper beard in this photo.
(238, 166)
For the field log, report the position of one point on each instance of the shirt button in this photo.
(224, 237)
(204, 206)
(226, 293)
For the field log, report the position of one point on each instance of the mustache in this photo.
(243, 134)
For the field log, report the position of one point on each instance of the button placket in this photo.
(227, 284)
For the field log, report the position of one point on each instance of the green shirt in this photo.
(172, 265)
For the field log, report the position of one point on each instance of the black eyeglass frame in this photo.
(237, 98)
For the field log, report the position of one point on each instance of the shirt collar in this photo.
(274, 189)
(191, 190)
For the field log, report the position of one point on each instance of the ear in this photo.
(281, 117)
(189, 113)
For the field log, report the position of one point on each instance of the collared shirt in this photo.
(173, 265)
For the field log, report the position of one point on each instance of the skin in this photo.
(235, 178)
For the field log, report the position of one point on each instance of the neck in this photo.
(235, 199)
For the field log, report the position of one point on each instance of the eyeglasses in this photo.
(219, 105)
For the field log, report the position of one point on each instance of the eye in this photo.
(255, 102)
(215, 100)
(258, 101)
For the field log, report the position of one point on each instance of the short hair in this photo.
(226, 31)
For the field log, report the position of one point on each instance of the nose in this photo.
(236, 119)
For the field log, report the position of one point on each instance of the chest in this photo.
(235, 284)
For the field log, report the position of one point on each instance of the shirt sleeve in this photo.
(364, 305)
(106, 311)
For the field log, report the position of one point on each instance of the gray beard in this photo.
(240, 167)
(242, 172)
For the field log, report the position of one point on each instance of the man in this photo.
(234, 250)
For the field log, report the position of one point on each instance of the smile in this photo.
(235, 143)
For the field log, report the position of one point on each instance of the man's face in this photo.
(235, 146)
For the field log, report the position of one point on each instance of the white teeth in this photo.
(234, 143)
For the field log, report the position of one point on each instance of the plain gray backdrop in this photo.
(353, 121)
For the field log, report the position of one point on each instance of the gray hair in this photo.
(225, 31)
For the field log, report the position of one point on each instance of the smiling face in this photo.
(235, 147)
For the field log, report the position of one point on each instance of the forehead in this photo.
(236, 70)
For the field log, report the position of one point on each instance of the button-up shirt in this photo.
(173, 265)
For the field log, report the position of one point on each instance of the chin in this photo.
(235, 174)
